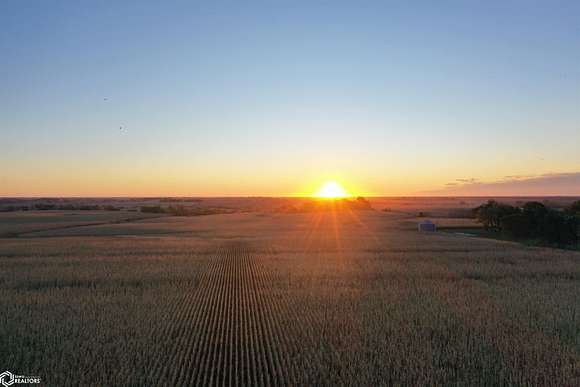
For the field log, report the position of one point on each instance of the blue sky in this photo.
(273, 97)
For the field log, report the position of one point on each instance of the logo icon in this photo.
(7, 378)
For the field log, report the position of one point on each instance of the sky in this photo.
(267, 98)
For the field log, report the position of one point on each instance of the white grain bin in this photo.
(427, 225)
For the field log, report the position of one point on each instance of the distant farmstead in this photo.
(427, 225)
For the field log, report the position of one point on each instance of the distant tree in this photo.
(491, 213)
(575, 208)
(535, 209)
(179, 211)
(89, 207)
(559, 228)
(67, 207)
(44, 206)
(152, 209)
(535, 212)
(360, 204)
(516, 226)
(535, 221)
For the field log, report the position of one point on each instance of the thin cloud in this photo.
(519, 177)
(468, 181)
(548, 184)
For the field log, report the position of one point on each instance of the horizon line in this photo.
(285, 196)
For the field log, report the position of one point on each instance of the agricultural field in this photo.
(264, 298)
(14, 224)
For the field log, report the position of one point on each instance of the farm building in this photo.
(427, 225)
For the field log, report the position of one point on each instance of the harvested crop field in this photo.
(330, 298)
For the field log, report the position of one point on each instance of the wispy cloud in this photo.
(519, 177)
(471, 180)
(514, 185)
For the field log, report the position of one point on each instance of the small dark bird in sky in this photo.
(105, 99)
(120, 127)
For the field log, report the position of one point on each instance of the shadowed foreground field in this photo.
(304, 299)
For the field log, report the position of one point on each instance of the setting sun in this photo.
(331, 190)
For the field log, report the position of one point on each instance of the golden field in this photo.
(265, 298)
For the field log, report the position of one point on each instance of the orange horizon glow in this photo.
(80, 180)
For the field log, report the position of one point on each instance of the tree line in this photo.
(60, 207)
(180, 210)
(533, 221)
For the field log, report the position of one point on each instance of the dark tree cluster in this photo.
(532, 221)
(180, 200)
(491, 214)
(180, 210)
(317, 205)
(60, 207)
